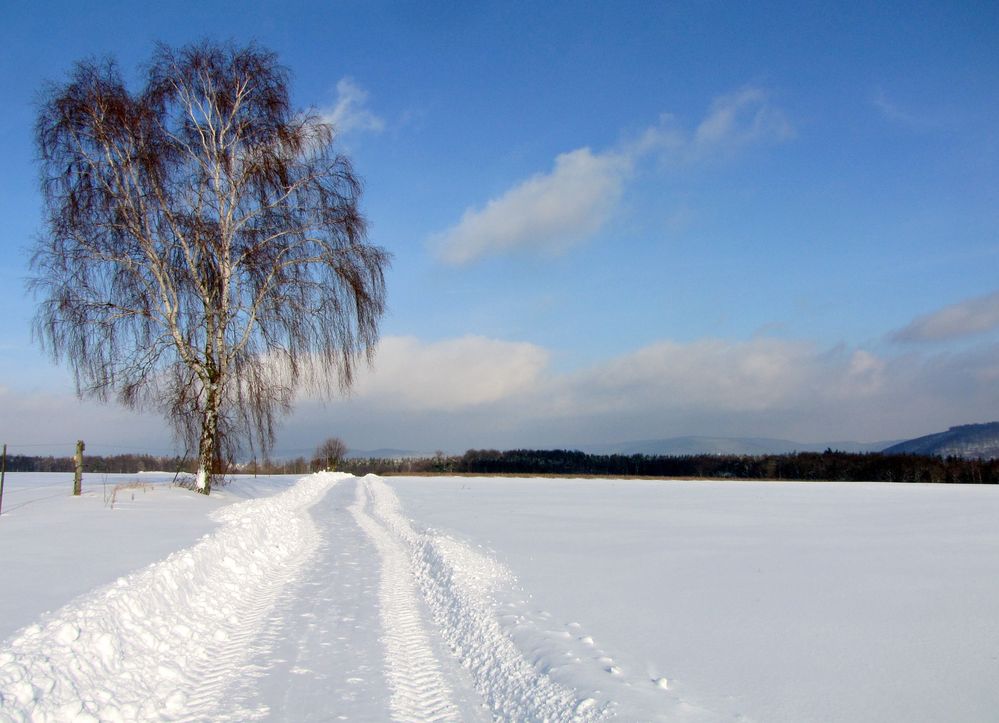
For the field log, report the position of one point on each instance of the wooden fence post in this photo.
(3, 471)
(78, 473)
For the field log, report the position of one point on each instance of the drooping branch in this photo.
(204, 247)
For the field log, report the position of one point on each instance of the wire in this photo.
(91, 446)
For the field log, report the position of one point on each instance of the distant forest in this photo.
(132, 463)
(119, 463)
(808, 466)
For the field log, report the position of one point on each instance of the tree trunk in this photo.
(208, 446)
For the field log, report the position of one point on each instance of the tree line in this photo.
(805, 466)
(112, 464)
(134, 463)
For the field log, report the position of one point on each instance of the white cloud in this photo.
(548, 212)
(740, 119)
(479, 392)
(707, 374)
(759, 377)
(554, 211)
(476, 392)
(775, 387)
(733, 121)
(349, 112)
(865, 374)
(973, 316)
(449, 375)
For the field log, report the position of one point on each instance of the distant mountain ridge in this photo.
(386, 453)
(679, 446)
(970, 441)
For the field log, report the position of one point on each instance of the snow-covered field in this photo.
(475, 599)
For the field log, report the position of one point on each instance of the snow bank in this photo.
(163, 643)
(56, 547)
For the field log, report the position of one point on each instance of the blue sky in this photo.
(609, 221)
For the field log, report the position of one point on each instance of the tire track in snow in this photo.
(225, 662)
(457, 583)
(321, 656)
(419, 691)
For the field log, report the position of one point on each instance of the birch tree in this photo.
(204, 253)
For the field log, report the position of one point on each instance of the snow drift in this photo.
(167, 639)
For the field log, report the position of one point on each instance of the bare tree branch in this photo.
(205, 254)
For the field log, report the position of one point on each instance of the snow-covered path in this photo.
(350, 640)
(393, 624)
(320, 657)
(419, 690)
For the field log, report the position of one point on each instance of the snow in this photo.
(333, 597)
(774, 601)
(56, 546)
(149, 644)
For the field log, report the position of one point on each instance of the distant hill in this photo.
(678, 446)
(385, 454)
(970, 441)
